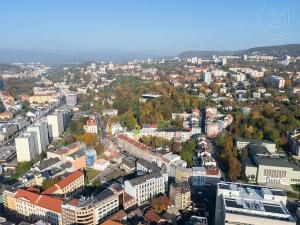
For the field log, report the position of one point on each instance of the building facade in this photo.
(25, 147)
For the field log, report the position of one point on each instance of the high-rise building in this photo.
(40, 135)
(25, 147)
(224, 61)
(66, 116)
(207, 78)
(55, 124)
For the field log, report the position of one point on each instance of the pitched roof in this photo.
(53, 204)
(110, 222)
(119, 216)
(152, 216)
(29, 196)
(46, 202)
(64, 182)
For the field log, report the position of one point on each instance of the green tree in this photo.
(21, 169)
(48, 183)
(128, 120)
(187, 151)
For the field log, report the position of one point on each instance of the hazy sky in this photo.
(147, 26)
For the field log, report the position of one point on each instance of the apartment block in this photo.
(25, 147)
(180, 195)
(31, 206)
(40, 135)
(55, 124)
(146, 187)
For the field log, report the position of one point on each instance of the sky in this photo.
(147, 26)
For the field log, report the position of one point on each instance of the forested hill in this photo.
(278, 50)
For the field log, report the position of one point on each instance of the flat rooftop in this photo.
(254, 200)
(276, 161)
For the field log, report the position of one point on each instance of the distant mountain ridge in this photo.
(277, 50)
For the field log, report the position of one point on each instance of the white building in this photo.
(55, 124)
(71, 99)
(242, 143)
(91, 126)
(101, 164)
(224, 61)
(145, 187)
(207, 78)
(25, 147)
(250, 204)
(40, 134)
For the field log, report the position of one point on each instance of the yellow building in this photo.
(40, 99)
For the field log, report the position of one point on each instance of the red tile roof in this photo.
(53, 204)
(153, 217)
(29, 196)
(110, 222)
(46, 202)
(91, 122)
(64, 182)
(212, 171)
(119, 216)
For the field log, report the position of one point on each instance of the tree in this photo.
(48, 183)
(228, 143)
(128, 120)
(154, 141)
(88, 138)
(177, 122)
(99, 149)
(160, 203)
(187, 151)
(176, 147)
(234, 171)
(21, 169)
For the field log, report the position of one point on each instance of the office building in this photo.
(93, 210)
(25, 147)
(251, 204)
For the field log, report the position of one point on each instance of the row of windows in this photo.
(295, 180)
(274, 173)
